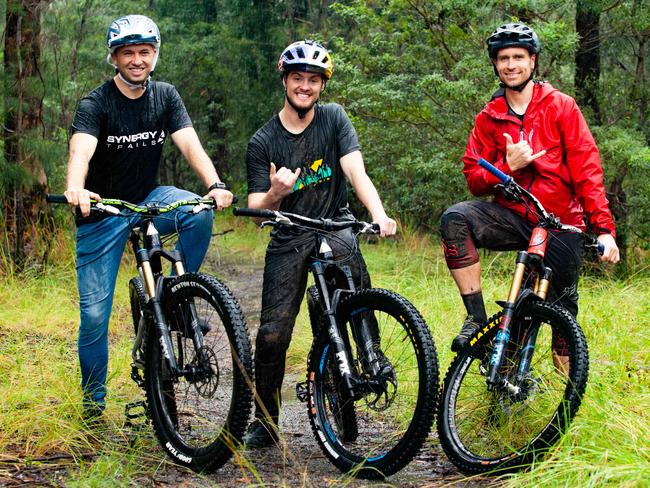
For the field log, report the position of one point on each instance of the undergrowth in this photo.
(40, 418)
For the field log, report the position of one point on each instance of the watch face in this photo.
(217, 186)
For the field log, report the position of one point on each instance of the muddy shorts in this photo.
(285, 280)
(468, 226)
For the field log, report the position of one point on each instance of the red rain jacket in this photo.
(567, 180)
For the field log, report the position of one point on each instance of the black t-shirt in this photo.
(130, 136)
(321, 189)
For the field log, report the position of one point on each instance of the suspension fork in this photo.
(362, 332)
(503, 335)
(152, 276)
(337, 341)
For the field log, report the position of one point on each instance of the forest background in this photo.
(412, 74)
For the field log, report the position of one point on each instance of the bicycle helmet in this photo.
(133, 29)
(513, 35)
(306, 56)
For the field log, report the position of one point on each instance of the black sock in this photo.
(475, 306)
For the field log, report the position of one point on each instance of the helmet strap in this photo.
(301, 111)
(134, 86)
(520, 87)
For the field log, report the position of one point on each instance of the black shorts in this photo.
(474, 224)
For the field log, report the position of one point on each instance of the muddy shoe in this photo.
(469, 328)
(260, 434)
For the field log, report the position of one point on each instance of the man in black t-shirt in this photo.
(115, 151)
(299, 162)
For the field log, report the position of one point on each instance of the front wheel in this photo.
(200, 416)
(393, 410)
(506, 428)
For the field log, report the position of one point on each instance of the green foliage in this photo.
(627, 157)
(412, 74)
(40, 397)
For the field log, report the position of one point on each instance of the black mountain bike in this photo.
(509, 395)
(192, 353)
(372, 373)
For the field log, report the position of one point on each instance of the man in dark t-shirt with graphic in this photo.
(299, 162)
(115, 151)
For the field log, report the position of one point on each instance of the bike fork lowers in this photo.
(154, 290)
(503, 335)
(336, 340)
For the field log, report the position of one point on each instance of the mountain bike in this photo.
(372, 372)
(509, 396)
(191, 353)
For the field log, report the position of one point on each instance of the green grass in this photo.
(607, 444)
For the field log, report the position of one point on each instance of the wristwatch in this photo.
(219, 185)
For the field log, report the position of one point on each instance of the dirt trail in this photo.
(298, 463)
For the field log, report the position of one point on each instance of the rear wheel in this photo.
(394, 409)
(200, 416)
(504, 429)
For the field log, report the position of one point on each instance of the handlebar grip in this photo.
(261, 213)
(601, 248)
(55, 198)
(492, 169)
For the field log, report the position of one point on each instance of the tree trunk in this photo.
(24, 206)
(588, 56)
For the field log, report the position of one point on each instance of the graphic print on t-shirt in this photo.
(313, 174)
(131, 141)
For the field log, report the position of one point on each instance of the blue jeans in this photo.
(99, 251)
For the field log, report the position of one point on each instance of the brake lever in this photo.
(511, 191)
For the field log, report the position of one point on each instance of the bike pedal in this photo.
(137, 376)
(302, 392)
(135, 411)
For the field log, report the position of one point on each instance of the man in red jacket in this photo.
(536, 134)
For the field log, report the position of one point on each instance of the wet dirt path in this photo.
(300, 462)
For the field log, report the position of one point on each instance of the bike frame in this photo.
(531, 263)
(149, 253)
(333, 282)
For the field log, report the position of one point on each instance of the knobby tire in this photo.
(386, 439)
(482, 431)
(200, 421)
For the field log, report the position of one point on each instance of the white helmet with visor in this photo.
(133, 29)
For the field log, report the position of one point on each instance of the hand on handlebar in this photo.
(611, 253)
(81, 198)
(222, 198)
(520, 154)
(387, 226)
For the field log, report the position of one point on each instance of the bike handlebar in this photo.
(494, 170)
(512, 189)
(112, 206)
(276, 217)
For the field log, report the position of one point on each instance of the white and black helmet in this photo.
(306, 56)
(133, 29)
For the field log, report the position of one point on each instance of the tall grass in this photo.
(607, 444)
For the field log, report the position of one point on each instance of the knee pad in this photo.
(457, 242)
